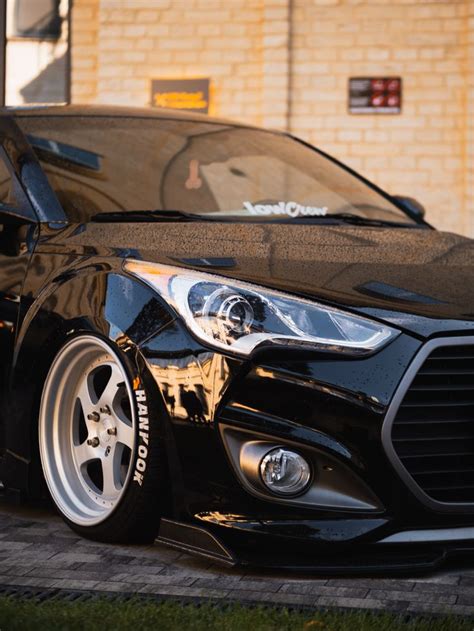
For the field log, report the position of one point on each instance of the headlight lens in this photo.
(240, 317)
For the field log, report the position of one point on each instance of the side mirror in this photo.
(412, 206)
(10, 216)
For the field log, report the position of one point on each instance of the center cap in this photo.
(103, 431)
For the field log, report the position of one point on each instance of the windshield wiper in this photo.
(148, 215)
(180, 215)
(358, 220)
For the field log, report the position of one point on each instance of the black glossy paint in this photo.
(58, 279)
(415, 279)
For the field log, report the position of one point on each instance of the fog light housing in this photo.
(285, 472)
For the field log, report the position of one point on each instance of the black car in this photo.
(221, 337)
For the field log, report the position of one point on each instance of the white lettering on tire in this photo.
(143, 434)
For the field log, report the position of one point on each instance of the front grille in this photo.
(433, 430)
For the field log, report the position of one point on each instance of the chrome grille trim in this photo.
(400, 394)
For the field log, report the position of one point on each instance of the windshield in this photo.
(117, 164)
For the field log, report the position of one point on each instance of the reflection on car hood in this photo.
(393, 274)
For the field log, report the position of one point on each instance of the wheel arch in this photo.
(97, 299)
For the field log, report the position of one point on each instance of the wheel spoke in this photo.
(84, 453)
(109, 394)
(84, 395)
(125, 433)
(111, 475)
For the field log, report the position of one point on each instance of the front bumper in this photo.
(320, 403)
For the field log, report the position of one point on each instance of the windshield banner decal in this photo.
(292, 209)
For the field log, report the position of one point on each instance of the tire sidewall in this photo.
(137, 513)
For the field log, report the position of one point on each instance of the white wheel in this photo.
(87, 430)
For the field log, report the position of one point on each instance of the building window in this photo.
(37, 51)
(37, 19)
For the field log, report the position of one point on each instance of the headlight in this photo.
(240, 317)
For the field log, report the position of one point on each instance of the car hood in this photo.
(421, 280)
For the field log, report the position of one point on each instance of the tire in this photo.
(102, 455)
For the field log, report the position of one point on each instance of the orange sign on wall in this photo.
(181, 94)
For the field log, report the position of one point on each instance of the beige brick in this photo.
(375, 164)
(349, 135)
(157, 30)
(83, 13)
(377, 54)
(145, 44)
(145, 17)
(134, 30)
(373, 135)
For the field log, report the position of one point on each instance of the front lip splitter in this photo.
(378, 558)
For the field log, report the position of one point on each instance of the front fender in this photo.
(96, 298)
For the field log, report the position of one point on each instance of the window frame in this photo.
(40, 201)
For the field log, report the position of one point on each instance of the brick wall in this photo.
(469, 166)
(418, 153)
(286, 64)
(85, 53)
(35, 68)
(142, 39)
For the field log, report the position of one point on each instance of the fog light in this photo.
(284, 472)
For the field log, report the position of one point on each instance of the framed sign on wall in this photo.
(375, 95)
(181, 94)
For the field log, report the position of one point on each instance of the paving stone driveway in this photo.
(38, 550)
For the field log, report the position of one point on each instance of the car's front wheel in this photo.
(102, 459)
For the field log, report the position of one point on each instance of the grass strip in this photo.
(101, 615)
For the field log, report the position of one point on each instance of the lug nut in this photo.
(105, 410)
(93, 442)
(93, 416)
(112, 431)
